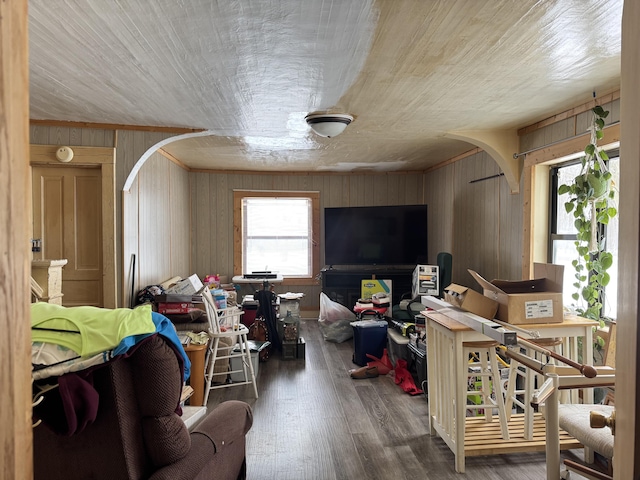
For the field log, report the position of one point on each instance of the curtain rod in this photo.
(501, 174)
(516, 155)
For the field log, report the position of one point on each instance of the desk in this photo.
(447, 398)
(253, 281)
(196, 354)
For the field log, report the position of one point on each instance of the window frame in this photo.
(238, 233)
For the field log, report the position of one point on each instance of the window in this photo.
(277, 231)
(563, 234)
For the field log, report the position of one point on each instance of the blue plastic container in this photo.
(369, 336)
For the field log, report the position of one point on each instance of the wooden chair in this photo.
(222, 325)
(490, 394)
(584, 422)
(530, 380)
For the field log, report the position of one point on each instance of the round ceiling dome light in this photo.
(328, 124)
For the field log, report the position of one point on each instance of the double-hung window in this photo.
(277, 232)
(562, 250)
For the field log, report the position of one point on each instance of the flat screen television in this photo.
(387, 235)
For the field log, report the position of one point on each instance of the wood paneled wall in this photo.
(479, 223)
(212, 201)
(567, 128)
(130, 146)
(156, 215)
(85, 137)
(473, 216)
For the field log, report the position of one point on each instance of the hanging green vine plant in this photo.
(591, 200)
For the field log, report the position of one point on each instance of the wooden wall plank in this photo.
(154, 247)
(202, 229)
(131, 145)
(511, 231)
(626, 458)
(357, 187)
(180, 221)
(392, 188)
(223, 212)
(439, 195)
(16, 454)
(476, 213)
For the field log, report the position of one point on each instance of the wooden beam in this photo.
(16, 454)
(46, 155)
(626, 458)
(114, 126)
(173, 159)
(501, 145)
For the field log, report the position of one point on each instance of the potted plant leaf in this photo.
(591, 200)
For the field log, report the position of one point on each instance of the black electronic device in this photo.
(260, 275)
(381, 235)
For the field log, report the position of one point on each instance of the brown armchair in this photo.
(137, 433)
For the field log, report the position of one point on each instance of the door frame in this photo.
(91, 156)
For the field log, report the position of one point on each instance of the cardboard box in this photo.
(188, 286)
(173, 298)
(174, 308)
(471, 301)
(528, 301)
(425, 281)
(371, 287)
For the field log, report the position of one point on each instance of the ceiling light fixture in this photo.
(328, 124)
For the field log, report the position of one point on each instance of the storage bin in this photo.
(369, 336)
(419, 360)
(300, 352)
(289, 350)
(236, 364)
(289, 306)
(397, 347)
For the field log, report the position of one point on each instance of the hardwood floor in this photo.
(313, 422)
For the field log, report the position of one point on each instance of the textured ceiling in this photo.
(409, 71)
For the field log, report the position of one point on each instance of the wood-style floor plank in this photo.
(313, 422)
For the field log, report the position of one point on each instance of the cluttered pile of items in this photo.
(387, 338)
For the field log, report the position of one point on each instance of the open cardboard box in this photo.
(528, 301)
(471, 301)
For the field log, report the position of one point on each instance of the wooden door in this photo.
(67, 216)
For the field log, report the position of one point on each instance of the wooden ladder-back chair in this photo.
(584, 422)
(224, 324)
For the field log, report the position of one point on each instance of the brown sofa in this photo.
(137, 433)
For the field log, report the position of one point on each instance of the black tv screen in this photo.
(388, 235)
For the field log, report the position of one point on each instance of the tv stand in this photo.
(344, 284)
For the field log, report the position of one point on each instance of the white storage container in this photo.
(236, 364)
